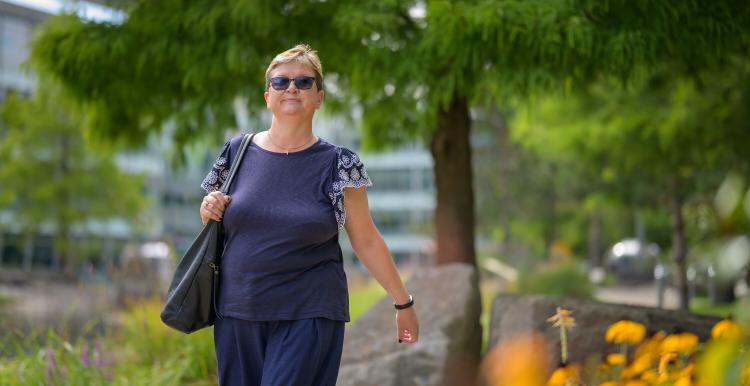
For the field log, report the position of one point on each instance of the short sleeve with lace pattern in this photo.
(219, 171)
(350, 173)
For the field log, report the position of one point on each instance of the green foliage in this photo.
(51, 175)
(703, 306)
(140, 350)
(169, 61)
(633, 143)
(56, 362)
(559, 279)
(405, 62)
(5, 300)
(186, 62)
(531, 195)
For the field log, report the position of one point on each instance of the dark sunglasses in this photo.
(282, 82)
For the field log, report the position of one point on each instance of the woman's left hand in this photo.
(408, 325)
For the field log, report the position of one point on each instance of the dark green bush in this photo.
(561, 279)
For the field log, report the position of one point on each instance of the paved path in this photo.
(641, 295)
(67, 308)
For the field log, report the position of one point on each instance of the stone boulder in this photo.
(447, 301)
(515, 314)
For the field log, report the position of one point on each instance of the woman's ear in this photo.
(321, 97)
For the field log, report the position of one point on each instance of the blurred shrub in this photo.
(141, 351)
(559, 279)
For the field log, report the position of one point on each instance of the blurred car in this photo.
(630, 260)
(719, 267)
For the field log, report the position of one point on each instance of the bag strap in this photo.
(246, 139)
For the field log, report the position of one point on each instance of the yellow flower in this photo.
(688, 370)
(666, 362)
(615, 359)
(681, 343)
(651, 347)
(636, 383)
(649, 376)
(563, 376)
(642, 363)
(645, 356)
(610, 383)
(563, 318)
(558, 377)
(726, 328)
(520, 361)
(625, 331)
(683, 381)
(684, 378)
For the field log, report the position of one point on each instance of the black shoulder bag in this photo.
(191, 300)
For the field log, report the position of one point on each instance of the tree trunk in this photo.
(454, 215)
(679, 244)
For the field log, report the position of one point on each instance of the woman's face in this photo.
(293, 101)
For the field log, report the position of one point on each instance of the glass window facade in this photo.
(15, 38)
(401, 179)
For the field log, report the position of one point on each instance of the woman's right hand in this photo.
(213, 205)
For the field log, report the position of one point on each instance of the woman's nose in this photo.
(292, 88)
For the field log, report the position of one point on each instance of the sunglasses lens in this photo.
(280, 83)
(304, 83)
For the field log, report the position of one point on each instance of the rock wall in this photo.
(514, 314)
(447, 302)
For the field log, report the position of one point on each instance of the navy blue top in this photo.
(282, 259)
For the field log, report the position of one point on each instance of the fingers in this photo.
(213, 205)
(407, 326)
(407, 336)
(408, 330)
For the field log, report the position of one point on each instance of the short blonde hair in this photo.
(301, 53)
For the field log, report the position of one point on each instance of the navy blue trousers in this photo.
(284, 353)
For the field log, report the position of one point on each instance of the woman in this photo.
(283, 300)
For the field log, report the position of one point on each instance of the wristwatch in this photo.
(405, 305)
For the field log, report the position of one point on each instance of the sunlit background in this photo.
(597, 166)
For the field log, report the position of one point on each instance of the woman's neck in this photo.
(289, 133)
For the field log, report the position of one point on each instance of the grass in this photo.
(702, 305)
(5, 300)
(488, 292)
(141, 351)
(363, 296)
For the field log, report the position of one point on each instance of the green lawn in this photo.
(364, 296)
(702, 305)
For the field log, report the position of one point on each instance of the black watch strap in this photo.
(405, 305)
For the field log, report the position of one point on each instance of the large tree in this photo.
(415, 67)
(52, 178)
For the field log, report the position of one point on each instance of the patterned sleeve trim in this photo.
(219, 172)
(350, 173)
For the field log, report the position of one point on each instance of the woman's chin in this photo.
(291, 113)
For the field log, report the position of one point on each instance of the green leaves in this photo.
(171, 60)
(52, 177)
